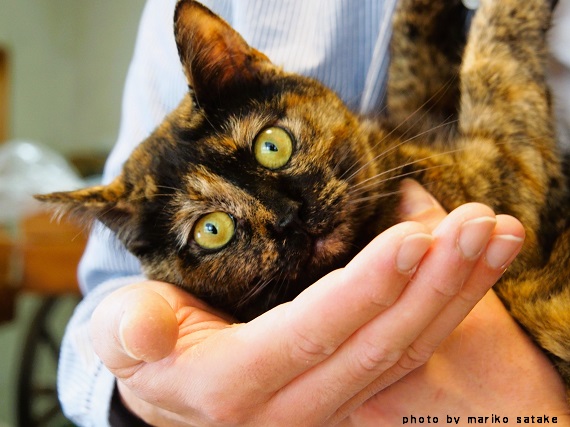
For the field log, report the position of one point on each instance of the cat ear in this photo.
(216, 59)
(103, 202)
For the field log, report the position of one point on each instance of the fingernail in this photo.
(474, 236)
(502, 249)
(416, 199)
(412, 250)
(123, 340)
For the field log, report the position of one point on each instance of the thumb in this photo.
(133, 325)
(419, 205)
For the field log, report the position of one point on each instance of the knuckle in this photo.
(308, 348)
(469, 297)
(448, 289)
(415, 356)
(384, 300)
(373, 357)
(222, 412)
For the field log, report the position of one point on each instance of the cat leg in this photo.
(503, 85)
(506, 107)
(426, 48)
(505, 104)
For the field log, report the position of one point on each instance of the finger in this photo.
(502, 248)
(133, 325)
(149, 336)
(290, 339)
(380, 344)
(419, 205)
(505, 243)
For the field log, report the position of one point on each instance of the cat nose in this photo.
(287, 215)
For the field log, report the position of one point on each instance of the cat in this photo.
(262, 181)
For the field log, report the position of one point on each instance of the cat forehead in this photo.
(298, 114)
(241, 132)
(205, 191)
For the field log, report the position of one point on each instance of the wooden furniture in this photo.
(50, 252)
(42, 260)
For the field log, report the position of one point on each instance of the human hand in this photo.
(318, 358)
(488, 365)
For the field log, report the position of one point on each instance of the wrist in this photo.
(120, 415)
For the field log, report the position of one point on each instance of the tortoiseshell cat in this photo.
(262, 181)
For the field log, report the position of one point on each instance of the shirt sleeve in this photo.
(343, 45)
(154, 85)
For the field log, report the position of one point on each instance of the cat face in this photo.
(246, 193)
(260, 200)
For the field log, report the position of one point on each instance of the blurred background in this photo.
(62, 68)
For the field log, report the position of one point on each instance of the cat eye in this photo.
(273, 148)
(214, 230)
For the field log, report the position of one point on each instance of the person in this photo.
(353, 347)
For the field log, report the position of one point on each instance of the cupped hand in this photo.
(317, 359)
(487, 367)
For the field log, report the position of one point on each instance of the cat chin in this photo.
(330, 247)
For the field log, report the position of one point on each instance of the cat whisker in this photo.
(400, 176)
(282, 284)
(374, 198)
(340, 162)
(253, 292)
(436, 96)
(373, 181)
(396, 146)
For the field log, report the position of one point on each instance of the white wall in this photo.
(68, 61)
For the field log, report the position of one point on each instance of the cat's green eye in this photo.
(214, 230)
(273, 148)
